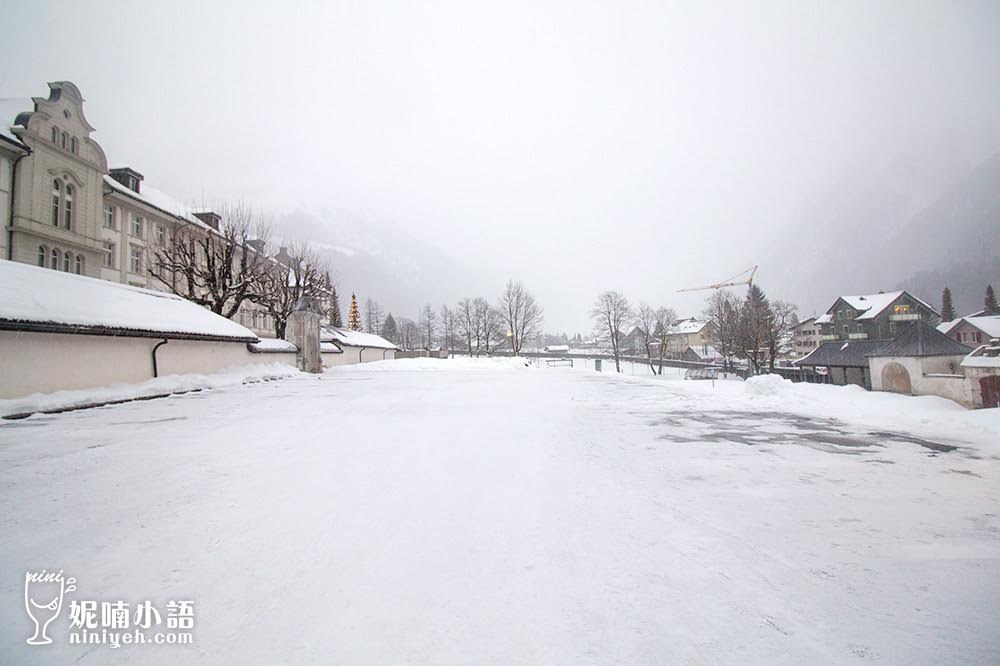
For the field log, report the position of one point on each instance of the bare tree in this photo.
(466, 322)
(218, 269)
(428, 325)
(666, 318)
(373, 316)
(409, 334)
(448, 326)
(301, 274)
(491, 325)
(722, 311)
(784, 319)
(611, 312)
(654, 326)
(644, 321)
(521, 313)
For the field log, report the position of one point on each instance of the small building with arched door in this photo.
(921, 361)
(982, 373)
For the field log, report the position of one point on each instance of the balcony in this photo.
(830, 338)
(858, 336)
(911, 316)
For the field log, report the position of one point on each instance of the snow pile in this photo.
(767, 385)
(60, 400)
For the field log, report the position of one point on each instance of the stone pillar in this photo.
(303, 332)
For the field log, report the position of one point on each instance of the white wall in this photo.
(47, 362)
(354, 355)
(953, 388)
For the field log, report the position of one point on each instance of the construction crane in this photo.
(730, 282)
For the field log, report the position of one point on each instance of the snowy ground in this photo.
(461, 511)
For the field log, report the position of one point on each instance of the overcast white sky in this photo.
(577, 146)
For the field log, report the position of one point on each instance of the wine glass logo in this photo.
(43, 599)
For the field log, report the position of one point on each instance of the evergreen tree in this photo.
(390, 330)
(947, 308)
(333, 314)
(354, 317)
(992, 308)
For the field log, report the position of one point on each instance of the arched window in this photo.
(56, 193)
(67, 261)
(43, 254)
(78, 267)
(72, 145)
(54, 264)
(68, 207)
(65, 137)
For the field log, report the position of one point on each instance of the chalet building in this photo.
(874, 317)
(66, 210)
(856, 326)
(973, 330)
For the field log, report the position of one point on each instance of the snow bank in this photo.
(61, 400)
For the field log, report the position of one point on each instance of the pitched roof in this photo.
(921, 339)
(872, 305)
(158, 200)
(44, 299)
(691, 325)
(986, 356)
(343, 336)
(841, 354)
(988, 324)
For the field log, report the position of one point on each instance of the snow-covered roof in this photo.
(946, 326)
(10, 108)
(708, 352)
(159, 200)
(557, 348)
(688, 326)
(988, 324)
(871, 305)
(345, 337)
(273, 345)
(330, 348)
(987, 356)
(46, 299)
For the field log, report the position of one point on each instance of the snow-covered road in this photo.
(457, 512)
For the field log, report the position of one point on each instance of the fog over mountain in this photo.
(575, 146)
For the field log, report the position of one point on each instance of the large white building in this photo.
(64, 209)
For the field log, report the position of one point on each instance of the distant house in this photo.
(634, 341)
(973, 330)
(806, 337)
(874, 317)
(703, 354)
(688, 333)
(556, 349)
(921, 361)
